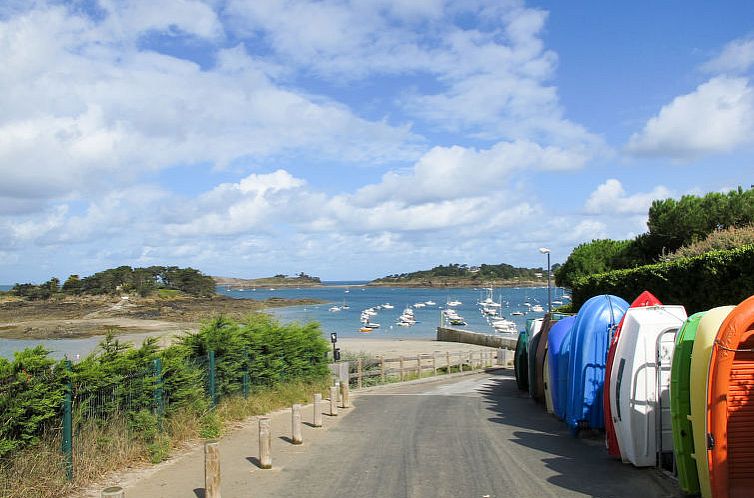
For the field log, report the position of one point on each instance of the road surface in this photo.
(471, 436)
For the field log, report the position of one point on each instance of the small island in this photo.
(123, 300)
(462, 275)
(280, 280)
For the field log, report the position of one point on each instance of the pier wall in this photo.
(467, 337)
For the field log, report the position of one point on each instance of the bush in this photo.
(728, 238)
(699, 283)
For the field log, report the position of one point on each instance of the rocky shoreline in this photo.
(86, 316)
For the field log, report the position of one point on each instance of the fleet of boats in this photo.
(669, 390)
(491, 310)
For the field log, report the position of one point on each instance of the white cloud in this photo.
(736, 57)
(84, 108)
(610, 197)
(717, 117)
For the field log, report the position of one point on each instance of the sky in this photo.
(356, 139)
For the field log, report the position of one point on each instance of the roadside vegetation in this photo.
(135, 405)
(697, 251)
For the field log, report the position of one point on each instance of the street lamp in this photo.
(545, 250)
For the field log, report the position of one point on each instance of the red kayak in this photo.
(646, 298)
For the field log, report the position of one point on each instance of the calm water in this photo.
(346, 322)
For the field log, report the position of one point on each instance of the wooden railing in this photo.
(411, 367)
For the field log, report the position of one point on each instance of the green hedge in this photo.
(120, 379)
(699, 283)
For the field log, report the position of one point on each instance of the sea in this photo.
(345, 323)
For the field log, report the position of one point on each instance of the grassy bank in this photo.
(126, 441)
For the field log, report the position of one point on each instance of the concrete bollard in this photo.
(113, 492)
(212, 469)
(337, 390)
(265, 443)
(333, 401)
(500, 357)
(296, 437)
(345, 396)
(318, 410)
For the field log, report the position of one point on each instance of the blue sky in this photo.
(354, 139)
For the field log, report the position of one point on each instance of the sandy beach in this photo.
(406, 347)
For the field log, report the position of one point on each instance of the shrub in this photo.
(699, 283)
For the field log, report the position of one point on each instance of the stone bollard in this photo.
(296, 437)
(113, 492)
(337, 390)
(345, 398)
(318, 410)
(212, 469)
(333, 401)
(265, 443)
(500, 357)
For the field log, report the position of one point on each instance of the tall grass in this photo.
(101, 448)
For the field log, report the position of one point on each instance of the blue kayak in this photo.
(557, 359)
(589, 343)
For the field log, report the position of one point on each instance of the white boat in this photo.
(640, 382)
(388, 306)
(371, 325)
(504, 326)
(334, 309)
(430, 303)
(537, 308)
(419, 305)
(454, 303)
(517, 313)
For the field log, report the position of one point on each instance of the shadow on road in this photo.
(579, 464)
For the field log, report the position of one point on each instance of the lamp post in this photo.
(545, 250)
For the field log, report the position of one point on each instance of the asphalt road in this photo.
(471, 436)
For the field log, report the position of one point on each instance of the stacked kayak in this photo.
(558, 348)
(589, 340)
(646, 298)
(730, 406)
(680, 405)
(639, 383)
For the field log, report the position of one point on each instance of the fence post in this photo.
(317, 410)
(447, 361)
(400, 369)
(345, 395)
(212, 469)
(359, 373)
(333, 401)
(265, 443)
(159, 400)
(434, 363)
(211, 375)
(382, 368)
(296, 424)
(113, 492)
(68, 424)
(246, 375)
(419, 366)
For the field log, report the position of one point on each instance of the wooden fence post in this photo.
(382, 368)
(333, 401)
(317, 410)
(265, 443)
(434, 363)
(400, 368)
(212, 469)
(296, 437)
(447, 361)
(359, 373)
(419, 366)
(345, 397)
